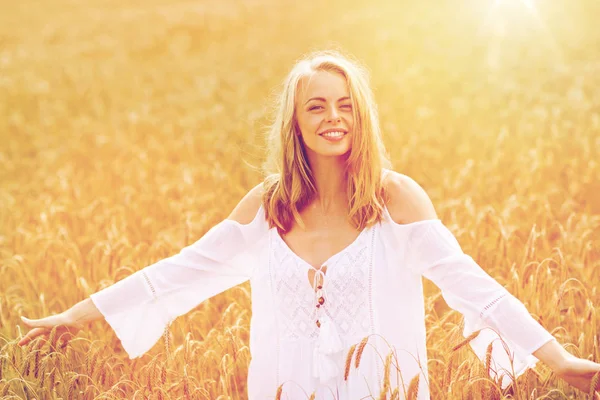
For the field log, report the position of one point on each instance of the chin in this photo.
(339, 149)
(334, 152)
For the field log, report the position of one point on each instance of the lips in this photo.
(333, 130)
(333, 135)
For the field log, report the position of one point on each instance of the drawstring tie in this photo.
(328, 343)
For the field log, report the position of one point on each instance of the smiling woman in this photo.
(335, 245)
(324, 120)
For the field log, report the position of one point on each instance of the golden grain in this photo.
(488, 358)
(52, 378)
(349, 361)
(26, 363)
(466, 341)
(93, 363)
(43, 367)
(124, 142)
(413, 388)
(595, 384)
(38, 351)
(5, 389)
(448, 375)
(163, 374)
(52, 339)
(386, 372)
(73, 382)
(151, 374)
(359, 352)
(186, 383)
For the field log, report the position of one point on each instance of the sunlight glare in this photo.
(527, 3)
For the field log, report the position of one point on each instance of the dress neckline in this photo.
(328, 260)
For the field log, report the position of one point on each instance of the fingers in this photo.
(32, 334)
(46, 322)
(43, 326)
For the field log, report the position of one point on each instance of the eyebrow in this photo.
(323, 99)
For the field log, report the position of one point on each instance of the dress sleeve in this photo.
(141, 306)
(434, 253)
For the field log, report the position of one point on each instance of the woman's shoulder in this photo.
(246, 210)
(407, 202)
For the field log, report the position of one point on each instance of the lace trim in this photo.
(490, 304)
(347, 284)
(371, 311)
(274, 297)
(166, 332)
(349, 277)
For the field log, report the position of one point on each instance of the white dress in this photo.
(371, 288)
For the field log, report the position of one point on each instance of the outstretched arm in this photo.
(435, 253)
(140, 306)
(68, 322)
(578, 372)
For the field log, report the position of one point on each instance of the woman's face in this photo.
(324, 114)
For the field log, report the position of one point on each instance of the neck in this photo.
(330, 180)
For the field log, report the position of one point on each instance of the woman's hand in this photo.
(43, 327)
(578, 372)
(70, 321)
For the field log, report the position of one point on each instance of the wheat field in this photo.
(128, 129)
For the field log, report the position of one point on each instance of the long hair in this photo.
(289, 184)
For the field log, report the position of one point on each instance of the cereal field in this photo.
(128, 129)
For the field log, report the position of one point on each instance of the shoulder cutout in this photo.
(408, 202)
(248, 207)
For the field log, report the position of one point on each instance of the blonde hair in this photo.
(289, 184)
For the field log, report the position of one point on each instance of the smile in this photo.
(333, 134)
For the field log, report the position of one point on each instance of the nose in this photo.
(333, 115)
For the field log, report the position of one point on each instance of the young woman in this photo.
(334, 244)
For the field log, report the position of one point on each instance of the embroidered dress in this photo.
(371, 288)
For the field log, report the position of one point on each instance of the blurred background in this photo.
(128, 129)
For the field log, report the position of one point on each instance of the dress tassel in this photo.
(328, 344)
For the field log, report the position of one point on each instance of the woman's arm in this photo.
(439, 258)
(69, 321)
(139, 306)
(553, 355)
(578, 372)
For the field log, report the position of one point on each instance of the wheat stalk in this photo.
(413, 388)
(52, 378)
(386, 372)
(5, 389)
(52, 338)
(348, 361)
(448, 375)
(466, 341)
(488, 358)
(361, 348)
(595, 384)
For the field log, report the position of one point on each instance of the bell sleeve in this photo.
(141, 306)
(434, 253)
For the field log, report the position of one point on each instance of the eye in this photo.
(314, 108)
(347, 106)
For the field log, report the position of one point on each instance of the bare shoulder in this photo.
(246, 209)
(407, 200)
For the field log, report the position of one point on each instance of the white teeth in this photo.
(333, 134)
